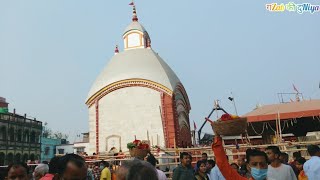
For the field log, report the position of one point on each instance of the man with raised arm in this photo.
(257, 162)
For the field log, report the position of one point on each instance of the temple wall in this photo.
(125, 113)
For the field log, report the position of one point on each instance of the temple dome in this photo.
(137, 84)
(134, 25)
(136, 63)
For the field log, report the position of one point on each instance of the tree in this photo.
(48, 133)
(60, 135)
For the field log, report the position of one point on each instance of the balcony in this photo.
(20, 120)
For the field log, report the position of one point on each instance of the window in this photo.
(3, 133)
(26, 136)
(80, 150)
(10, 158)
(11, 134)
(60, 151)
(19, 135)
(33, 137)
(133, 40)
(2, 158)
(46, 151)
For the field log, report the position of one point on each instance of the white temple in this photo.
(137, 95)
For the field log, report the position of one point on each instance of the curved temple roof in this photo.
(136, 63)
(134, 25)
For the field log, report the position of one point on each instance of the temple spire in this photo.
(134, 15)
(116, 51)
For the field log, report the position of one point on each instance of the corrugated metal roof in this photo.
(291, 110)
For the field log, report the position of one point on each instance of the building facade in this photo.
(63, 149)
(137, 95)
(48, 148)
(82, 147)
(19, 137)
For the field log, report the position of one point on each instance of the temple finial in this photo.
(134, 16)
(116, 51)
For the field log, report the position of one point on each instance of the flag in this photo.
(194, 125)
(295, 89)
(131, 4)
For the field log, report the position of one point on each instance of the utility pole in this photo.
(234, 103)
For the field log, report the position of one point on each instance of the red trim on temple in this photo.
(168, 118)
(97, 126)
(176, 122)
(181, 88)
(128, 84)
(163, 118)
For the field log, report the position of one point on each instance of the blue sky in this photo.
(51, 52)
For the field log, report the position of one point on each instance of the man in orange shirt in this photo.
(257, 163)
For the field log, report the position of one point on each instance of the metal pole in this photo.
(217, 107)
(194, 137)
(199, 132)
(280, 130)
(234, 104)
(216, 104)
(277, 129)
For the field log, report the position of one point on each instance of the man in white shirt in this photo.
(40, 171)
(210, 165)
(277, 170)
(215, 174)
(153, 161)
(312, 166)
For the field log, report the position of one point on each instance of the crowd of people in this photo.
(271, 164)
(74, 167)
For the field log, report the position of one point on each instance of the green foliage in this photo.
(131, 145)
(48, 133)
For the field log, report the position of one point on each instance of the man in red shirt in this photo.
(53, 169)
(257, 162)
